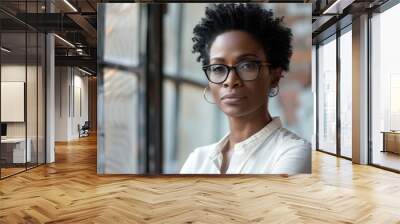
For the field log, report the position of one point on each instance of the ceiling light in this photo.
(79, 51)
(84, 71)
(65, 41)
(337, 7)
(5, 50)
(70, 5)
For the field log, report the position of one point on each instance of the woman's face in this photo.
(235, 97)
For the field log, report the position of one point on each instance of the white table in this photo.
(18, 145)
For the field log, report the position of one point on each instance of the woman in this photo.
(244, 51)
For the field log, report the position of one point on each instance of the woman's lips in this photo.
(232, 98)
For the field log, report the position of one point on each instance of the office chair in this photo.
(84, 130)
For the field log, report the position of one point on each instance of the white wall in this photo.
(81, 84)
(33, 126)
(70, 83)
(62, 81)
(12, 73)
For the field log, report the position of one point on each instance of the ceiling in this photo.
(75, 21)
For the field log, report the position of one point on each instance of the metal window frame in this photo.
(318, 45)
(340, 29)
(154, 85)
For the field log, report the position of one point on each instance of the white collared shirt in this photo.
(272, 150)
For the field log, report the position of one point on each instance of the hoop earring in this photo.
(273, 92)
(205, 95)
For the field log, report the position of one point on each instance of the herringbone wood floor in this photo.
(70, 191)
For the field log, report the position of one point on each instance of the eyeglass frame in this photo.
(233, 67)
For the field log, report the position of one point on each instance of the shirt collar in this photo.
(250, 142)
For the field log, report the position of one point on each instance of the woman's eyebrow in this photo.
(239, 58)
(244, 56)
(217, 59)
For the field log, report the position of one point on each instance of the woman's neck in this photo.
(243, 127)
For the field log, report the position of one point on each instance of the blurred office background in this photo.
(151, 108)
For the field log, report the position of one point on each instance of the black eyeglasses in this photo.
(247, 71)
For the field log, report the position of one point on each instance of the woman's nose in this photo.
(233, 79)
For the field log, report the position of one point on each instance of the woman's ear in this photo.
(276, 75)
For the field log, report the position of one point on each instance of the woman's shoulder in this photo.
(197, 158)
(211, 149)
(292, 153)
(205, 149)
(291, 139)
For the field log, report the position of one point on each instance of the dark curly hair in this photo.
(251, 18)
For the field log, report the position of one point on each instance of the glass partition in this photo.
(327, 95)
(31, 100)
(121, 20)
(15, 151)
(23, 91)
(121, 123)
(346, 93)
(385, 89)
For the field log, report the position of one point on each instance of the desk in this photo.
(15, 148)
(391, 141)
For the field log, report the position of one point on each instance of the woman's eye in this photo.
(218, 69)
(248, 66)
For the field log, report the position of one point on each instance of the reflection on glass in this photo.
(191, 69)
(385, 85)
(14, 148)
(120, 122)
(169, 126)
(121, 33)
(346, 94)
(198, 122)
(171, 28)
(327, 96)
